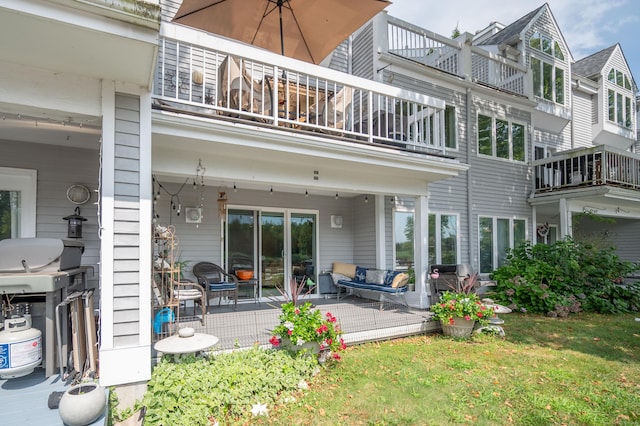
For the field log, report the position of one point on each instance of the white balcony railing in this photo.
(454, 57)
(587, 167)
(225, 80)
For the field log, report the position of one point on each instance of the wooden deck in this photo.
(362, 320)
(24, 401)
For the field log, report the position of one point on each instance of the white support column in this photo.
(107, 185)
(421, 249)
(381, 252)
(534, 225)
(565, 219)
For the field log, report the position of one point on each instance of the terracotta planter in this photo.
(459, 328)
(82, 404)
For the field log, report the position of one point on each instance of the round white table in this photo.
(185, 342)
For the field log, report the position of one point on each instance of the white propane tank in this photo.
(20, 348)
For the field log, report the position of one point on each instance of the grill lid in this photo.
(30, 254)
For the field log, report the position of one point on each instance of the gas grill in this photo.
(36, 267)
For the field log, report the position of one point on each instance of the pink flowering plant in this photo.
(303, 324)
(461, 305)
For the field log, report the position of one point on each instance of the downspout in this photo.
(469, 197)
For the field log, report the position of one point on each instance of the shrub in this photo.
(199, 391)
(564, 277)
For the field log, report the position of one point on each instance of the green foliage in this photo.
(302, 324)
(566, 277)
(195, 390)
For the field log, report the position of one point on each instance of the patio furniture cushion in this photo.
(361, 275)
(400, 280)
(217, 286)
(346, 269)
(372, 287)
(375, 276)
(389, 277)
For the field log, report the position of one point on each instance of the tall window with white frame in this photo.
(443, 238)
(620, 98)
(497, 236)
(501, 138)
(547, 68)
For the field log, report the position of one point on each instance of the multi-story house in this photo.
(404, 149)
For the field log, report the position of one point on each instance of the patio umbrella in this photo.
(303, 29)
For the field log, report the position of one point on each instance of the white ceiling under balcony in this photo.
(90, 39)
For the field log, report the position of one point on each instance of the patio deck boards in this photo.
(360, 319)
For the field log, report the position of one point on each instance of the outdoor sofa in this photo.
(353, 279)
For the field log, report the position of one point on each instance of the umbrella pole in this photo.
(281, 32)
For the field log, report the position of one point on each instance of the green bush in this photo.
(564, 277)
(195, 391)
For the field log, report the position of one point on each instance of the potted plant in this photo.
(303, 328)
(460, 310)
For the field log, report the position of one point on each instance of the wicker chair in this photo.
(216, 281)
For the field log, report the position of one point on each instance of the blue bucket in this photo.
(164, 315)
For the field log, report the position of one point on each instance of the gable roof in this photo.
(592, 65)
(512, 30)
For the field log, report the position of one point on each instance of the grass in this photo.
(584, 370)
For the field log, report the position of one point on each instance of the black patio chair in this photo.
(216, 282)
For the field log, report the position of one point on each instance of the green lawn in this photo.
(584, 370)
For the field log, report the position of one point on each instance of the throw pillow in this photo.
(361, 275)
(400, 280)
(375, 276)
(389, 276)
(346, 269)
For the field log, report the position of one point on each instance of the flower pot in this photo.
(82, 404)
(310, 347)
(460, 327)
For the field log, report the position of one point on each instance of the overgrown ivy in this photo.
(564, 277)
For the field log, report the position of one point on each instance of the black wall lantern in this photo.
(74, 224)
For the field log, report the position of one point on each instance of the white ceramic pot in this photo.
(82, 404)
(460, 327)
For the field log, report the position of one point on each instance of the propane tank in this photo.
(20, 347)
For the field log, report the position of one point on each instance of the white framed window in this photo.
(496, 236)
(620, 103)
(501, 138)
(443, 238)
(18, 188)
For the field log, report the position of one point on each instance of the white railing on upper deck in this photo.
(455, 57)
(211, 76)
(587, 167)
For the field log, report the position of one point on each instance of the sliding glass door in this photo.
(278, 245)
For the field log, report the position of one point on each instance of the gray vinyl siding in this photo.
(58, 168)
(582, 110)
(362, 52)
(622, 234)
(340, 57)
(126, 250)
(364, 235)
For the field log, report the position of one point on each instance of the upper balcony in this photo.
(213, 77)
(587, 168)
(456, 57)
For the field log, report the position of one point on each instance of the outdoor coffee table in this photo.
(185, 342)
